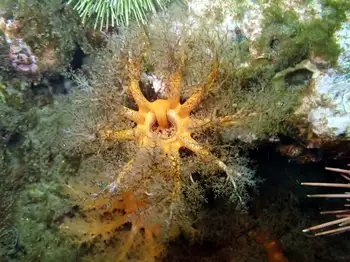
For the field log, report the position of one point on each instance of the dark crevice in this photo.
(78, 58)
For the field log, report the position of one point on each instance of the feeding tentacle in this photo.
(196, 98)
(175, 162)
(175, 89)
(197, 148)
(134, 89)
(127, 134)
(131, 114)
(224, 121)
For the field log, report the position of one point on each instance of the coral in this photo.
(343, 216)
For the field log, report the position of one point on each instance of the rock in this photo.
(158, 84)
(331, 114)
(343, 40)
(325, 107)
(328, 106)
(299, 76)
(324, 115)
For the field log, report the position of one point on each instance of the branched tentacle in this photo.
(175, 162)
(175, 89)
(224, 121)
(197, 148)
(138, 96)
(196, 98)
(131, 115)
(192, 102)
(124, 171)
(134, 89)
(200, 124)
(127, 134)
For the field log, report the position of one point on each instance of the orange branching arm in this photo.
(214, 73)
(135, 228)
(131, 206)
(152, 233)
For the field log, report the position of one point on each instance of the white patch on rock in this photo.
(331, 116)
(343, 40)
(157, 84)
(328, 106)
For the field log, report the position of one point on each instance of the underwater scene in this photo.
(175, 130)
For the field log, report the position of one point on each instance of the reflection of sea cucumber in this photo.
(20, 54)
(273, 246)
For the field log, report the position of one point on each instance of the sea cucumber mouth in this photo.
(164, 133)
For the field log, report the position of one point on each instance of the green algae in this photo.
(300, 39)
